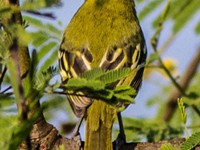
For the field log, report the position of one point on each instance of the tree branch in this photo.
(184, 83)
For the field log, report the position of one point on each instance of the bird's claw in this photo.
(119, 142)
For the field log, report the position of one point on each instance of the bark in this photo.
(45, 137)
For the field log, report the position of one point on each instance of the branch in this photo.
(45, 136)
(18, 66)
(184, 83)
(182, 86)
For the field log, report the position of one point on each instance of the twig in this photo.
(8, 88)
(15, 65)
(184, 83)
(49, 15)
(154, 43)
(171, 106)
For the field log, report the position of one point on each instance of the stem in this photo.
(154, 43)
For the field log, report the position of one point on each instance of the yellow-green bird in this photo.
(105, 34)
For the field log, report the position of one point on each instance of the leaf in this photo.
(45, 49)
(140, 1)
(44, 27)
(39, 38)
(83, 84)
(49, 3)
(29, 5)
(126, 98)
(93, 73)
(191, 142)
(112, 76)
(7, 125)
(43, 78)
(182, 110)
(167, 146)
(97, 89)
(184, 17)
(38, 4)
(153, 57)
(49, 61)
(125, 93)
(149, 7)
(5, 101)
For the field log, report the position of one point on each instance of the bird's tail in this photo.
(99, 121)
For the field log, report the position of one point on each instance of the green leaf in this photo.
(112, 76)
(98, 90)
(7, 125)
(83, 84)
(126, 98)
(182, 110)
(93, 73)
(39, 38)
(140, 1)
(49, 61)
(149, 7)
(38, 4)
(34, 22)
(6, 101)
(185, 17)
(43, 78)
(125, 93)
(153, 57)
(191, 142)
(29, 5)
(168, 146)
(47, 28)
(45, 49)
(105, 95)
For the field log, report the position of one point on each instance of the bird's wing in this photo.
(127, 55)
(72, 64)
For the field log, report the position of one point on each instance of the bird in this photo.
(102, 34)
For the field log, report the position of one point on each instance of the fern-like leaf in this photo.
(168, 146)
(191, 142)
(43, 78)
(93, 73)
(114, 75)
(79, 84)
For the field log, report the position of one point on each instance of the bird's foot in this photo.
(119, 142)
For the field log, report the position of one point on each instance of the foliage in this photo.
(168, 146)
(8, 124)
(183, 114)
(15, 126)
(191, 142)
(43, 39)
(151, 130)
(97, 83)
(178, 12)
